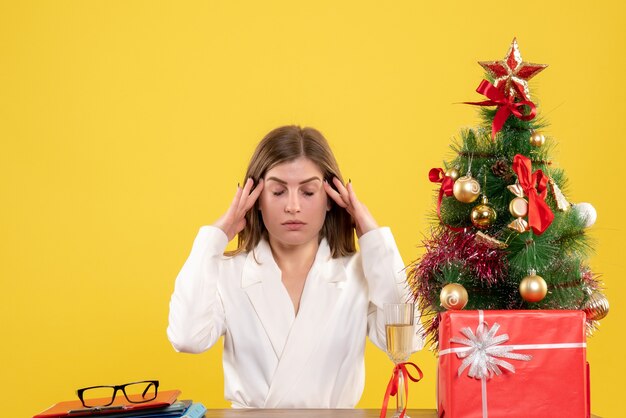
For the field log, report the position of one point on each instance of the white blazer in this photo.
(273, 358)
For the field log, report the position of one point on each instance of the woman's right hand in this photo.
(234, 220)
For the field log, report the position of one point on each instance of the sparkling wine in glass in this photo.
(399, 319)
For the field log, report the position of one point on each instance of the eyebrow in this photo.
(276, 179)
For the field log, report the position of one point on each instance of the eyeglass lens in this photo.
(140, 392)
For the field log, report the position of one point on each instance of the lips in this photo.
(293, 225)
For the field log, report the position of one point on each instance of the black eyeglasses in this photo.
(135, 392)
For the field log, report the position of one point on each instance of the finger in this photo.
(226, 221)
(343, 192)
(235, 202)
(244, 195)
(252, 198)
(334, 194)
(248, 186)
(352, 195)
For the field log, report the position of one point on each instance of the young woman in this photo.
(295, 300)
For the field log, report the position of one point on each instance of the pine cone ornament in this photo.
(502, 169)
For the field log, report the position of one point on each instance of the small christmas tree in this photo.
(504, 235)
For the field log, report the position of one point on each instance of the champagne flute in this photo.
(399, 319)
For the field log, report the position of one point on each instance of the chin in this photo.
(294, 238)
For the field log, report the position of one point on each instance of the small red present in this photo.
(512, 364)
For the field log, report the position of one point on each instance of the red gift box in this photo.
(512, 364)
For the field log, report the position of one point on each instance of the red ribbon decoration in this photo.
(437, 175)
(392, 387)
(535, 187)
(506, 106)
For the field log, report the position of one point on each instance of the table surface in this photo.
(316, 413)
(313, 413)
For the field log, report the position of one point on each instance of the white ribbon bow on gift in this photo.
(484, 354)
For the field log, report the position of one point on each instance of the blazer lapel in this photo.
(262, 283)
(319, 297)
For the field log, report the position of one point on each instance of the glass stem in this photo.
(400, 396)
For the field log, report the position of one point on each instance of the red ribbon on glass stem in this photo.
(506, 106)
(535, 187)
(392, 386)
(437, 175)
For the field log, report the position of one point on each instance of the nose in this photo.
(293, 203)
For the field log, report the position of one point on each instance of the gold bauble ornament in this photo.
(484, 215)
(466, 189)
(537, 139)
(453, 296)
(597, 306)
(453, 173)
(533, 288)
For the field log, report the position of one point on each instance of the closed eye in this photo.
(278, 193)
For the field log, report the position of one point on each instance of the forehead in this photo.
(296, 170)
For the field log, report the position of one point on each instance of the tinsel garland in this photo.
(445, 246)
(482, 262)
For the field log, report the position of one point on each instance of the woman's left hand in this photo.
(345, 197)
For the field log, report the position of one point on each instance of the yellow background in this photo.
(126, 125)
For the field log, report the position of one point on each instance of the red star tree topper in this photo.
(512, 74)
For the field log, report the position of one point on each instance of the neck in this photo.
(292, 257)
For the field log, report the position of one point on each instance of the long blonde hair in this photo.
(285, 144)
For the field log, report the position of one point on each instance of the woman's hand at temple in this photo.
(234, 220)
(345, 197)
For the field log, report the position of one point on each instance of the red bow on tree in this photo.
(506, 106)
(437, 175)
(392, 387)
(535, 187)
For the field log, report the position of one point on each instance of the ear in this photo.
(329, 204)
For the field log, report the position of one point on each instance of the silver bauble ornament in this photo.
(587, 213)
